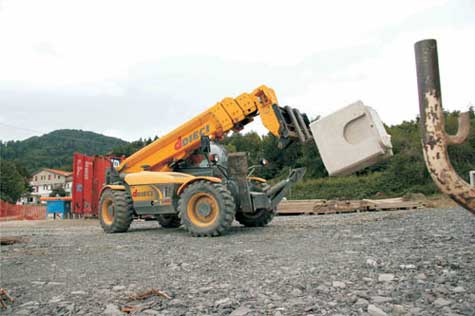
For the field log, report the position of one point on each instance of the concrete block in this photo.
(351, 139)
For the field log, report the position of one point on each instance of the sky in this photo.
(134, 69)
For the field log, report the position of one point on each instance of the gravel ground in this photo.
(418, 262)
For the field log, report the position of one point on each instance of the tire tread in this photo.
(123, 211)
(225, 221)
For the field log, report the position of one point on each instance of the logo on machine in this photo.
(183, 141)
(136, 193)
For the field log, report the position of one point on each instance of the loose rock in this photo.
(112, 310)
(78, 293)
(440, 302)
(421, 276)
(296, 292)
(459, 289)
(225, 302)
(361, 302)
(339, 284)
(240, 311)
(118, 288)
(386, 277)
(375, 311)
(380, 299)
(407, 266)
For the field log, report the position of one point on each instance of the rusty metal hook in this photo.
(434, 137)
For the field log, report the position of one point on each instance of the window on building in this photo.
(49, 177)
(45, 187)
(36, 178)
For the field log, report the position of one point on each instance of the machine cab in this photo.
(198, 164)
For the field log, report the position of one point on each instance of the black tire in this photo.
(169, 220)
(216, 199)
(260, 218)
(115, 211)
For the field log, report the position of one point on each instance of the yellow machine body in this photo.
(151, 182)
(155, 188)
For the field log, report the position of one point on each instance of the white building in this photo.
(44, 181)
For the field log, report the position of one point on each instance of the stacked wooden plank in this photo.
(298, 206)
(393, 204)
(344, 206)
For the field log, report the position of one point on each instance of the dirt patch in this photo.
(441, 201)
(6, 241)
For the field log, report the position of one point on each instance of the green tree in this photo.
(58, 192)
(23, 171)
(12, 184)
(312, 161)
(250, 142)
(128, 149)
(280, 160)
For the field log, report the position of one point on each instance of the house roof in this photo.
(56, 171)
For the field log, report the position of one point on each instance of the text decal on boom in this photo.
(195, 135)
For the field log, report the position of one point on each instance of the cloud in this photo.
(141, 68)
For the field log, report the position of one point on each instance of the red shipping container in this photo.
(89, 176)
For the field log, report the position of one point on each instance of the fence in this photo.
(10, 212)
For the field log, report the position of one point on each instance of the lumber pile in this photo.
(393, 204)
(344, 206)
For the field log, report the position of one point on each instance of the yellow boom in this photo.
(226, 115)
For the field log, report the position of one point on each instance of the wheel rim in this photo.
(108, 211)
(202, 209)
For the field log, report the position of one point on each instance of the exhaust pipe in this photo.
(434, 138)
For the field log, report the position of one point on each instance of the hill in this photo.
(55, 149)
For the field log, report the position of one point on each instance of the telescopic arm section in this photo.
(286, 123)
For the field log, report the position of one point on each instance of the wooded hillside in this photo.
(404, 173)
(55, 149)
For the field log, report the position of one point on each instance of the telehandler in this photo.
(187, 178)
